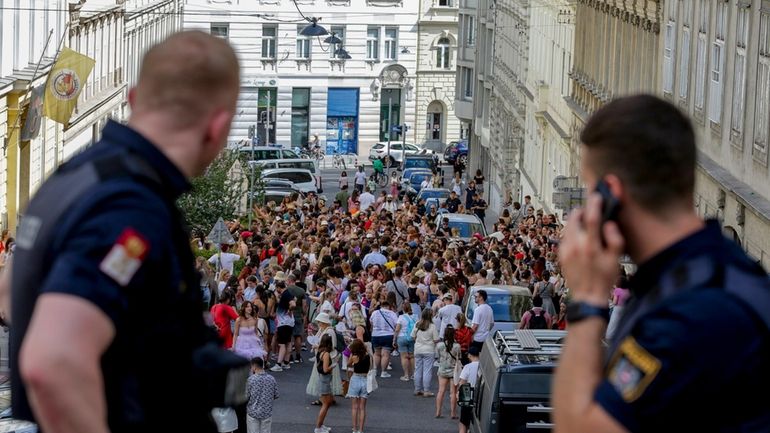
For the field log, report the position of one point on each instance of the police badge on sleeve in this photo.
(632, 369)
(126, 257)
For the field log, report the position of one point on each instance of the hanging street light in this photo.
(313, 29)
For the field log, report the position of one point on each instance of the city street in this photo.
(330, 180)
(391, 408)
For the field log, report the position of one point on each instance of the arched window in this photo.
(442, 53)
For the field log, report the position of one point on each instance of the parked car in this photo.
(397, 152)
(307, 164)
(439, 194)
(428, 162)
(508, 304)
(457, 149)
(417, 177)
(303, 179)
(466, 225)
(266, 152)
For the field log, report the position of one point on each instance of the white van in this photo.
(305, 164)
(302, 179)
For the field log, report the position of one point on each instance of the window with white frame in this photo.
(684, 51)
(717, 79)
(442, 53)
(373, 43)
(391, 43)
(669, 49)
(470, 30)
(739, 79)
(700, 57)
(339, 32)
(269, 32)
(221, 30)
(447, 3)
(762, 114)
(303, 44)
(468, 82)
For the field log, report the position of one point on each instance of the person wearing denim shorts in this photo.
(359, 363)
(404, 341)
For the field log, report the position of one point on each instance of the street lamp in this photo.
(313, 29)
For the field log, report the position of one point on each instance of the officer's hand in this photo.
(590, 268)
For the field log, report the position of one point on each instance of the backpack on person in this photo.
(537, 321)
(409, 328)
(340, 346)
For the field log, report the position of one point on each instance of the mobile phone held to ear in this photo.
(610, 204)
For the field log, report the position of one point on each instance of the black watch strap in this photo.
(577, 311)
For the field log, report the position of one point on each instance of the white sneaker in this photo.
(404, 378)
(319, 430)
(384, 375)
(389, 367)
(326, 429)
(395, 353)
(276, 368)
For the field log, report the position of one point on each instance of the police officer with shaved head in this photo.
(695, 336)
(106, 329)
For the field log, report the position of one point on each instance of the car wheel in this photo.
(390, 162)
(464, 160)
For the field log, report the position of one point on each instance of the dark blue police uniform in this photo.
(122, 246)
(694, 342)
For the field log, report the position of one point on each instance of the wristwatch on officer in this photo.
(577, 311)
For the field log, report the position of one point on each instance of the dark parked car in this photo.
(457, 149)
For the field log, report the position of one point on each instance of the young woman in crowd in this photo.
(425, 337)
(448, 352)
(249, 331)
(359, 365)
(324, 365)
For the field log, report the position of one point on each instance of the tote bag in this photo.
(371, 376)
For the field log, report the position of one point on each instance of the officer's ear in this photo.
(217, 129)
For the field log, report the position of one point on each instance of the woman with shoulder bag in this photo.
(448, 357)
(324, 366)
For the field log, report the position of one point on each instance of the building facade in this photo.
(465, 80)
(436, 123)
(547, 133)
(294, 87)
(29, 40)
(95, 28)
(615, 54)
(499, 97)
(715, 59)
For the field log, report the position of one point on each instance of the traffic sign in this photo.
(219, 234)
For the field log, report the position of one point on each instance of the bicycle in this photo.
(380, 179)
(338, 161)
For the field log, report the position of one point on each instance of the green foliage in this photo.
(215, 194)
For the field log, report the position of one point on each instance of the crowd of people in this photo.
(367, 283)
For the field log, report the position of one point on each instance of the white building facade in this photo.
(716, 67)
(548, 119)
(294, 87)
(437, 123)
(465, 80)
(499, 97)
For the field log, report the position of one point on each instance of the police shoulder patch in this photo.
(125, 257)
(632, 369)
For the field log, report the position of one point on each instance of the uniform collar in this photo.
(135, 142)
(650, 271)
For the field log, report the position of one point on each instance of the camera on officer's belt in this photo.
(222, 374)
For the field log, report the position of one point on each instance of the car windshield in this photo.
(293, 176)
(288, 154)
(506, 307)
(419, 177)
(462, 229)
(418, 162)
(434, 193)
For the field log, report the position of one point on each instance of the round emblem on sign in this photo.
(65, 84)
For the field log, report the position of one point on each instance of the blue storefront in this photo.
(342, 121)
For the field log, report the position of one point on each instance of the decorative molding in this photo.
(303, 63)
(385, 3)
(338, 2)
(269, 2)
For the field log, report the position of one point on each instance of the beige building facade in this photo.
(437, 43)
(547, 135)
(715, 57)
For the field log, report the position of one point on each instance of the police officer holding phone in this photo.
(106, 328)
(696, 334)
